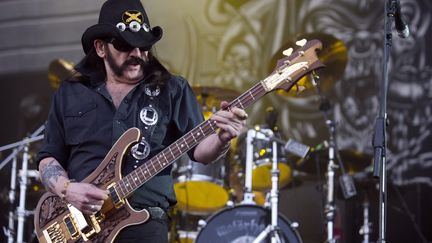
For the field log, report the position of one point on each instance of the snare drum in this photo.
(200, 188)
(243, 223)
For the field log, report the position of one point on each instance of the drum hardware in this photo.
(260, 162)
(273, 229)
(366, 228)
(21, 213)
(346, 181)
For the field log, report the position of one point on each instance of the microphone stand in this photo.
(379, 139)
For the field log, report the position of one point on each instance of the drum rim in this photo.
(199, 178)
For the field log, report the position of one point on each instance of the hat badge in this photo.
(133, 20)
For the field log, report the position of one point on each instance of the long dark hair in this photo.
(92, 70)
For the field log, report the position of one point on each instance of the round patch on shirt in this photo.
(141, 150)
(152, 90)
(149, 115)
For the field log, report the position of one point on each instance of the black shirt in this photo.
(83, 124)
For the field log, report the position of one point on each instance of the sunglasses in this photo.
(123, 46)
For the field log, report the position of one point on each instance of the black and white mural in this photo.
(255, 30)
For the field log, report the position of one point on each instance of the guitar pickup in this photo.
(115, 198)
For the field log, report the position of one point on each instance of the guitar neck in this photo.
(163, 159)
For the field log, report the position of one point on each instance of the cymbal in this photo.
(211, 96)
(58, 70)
(353, 161)
(333, 55)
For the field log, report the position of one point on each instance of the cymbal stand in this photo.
(10, 231)
(248, 196)
(330, 208)
(24, 174)
(273, 228)
(346, 181)
(365, 229)
(21, 211)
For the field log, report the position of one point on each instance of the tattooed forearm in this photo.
(50, 173)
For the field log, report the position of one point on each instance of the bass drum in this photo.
(242, 224)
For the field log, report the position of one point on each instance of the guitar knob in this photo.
(288, 52)
(301, 42)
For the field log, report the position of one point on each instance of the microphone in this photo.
(401, 26)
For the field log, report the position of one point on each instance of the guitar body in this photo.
(51, 211)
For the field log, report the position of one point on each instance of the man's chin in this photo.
(133, 75)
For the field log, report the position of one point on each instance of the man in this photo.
(123, 85)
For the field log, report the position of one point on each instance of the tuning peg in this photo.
(288, 52)
(301, 42)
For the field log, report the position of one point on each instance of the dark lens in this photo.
(121, 45)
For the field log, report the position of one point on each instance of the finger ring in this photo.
(93, 207)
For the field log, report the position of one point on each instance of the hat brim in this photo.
(140, 39)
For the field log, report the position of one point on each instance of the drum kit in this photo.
(235, 199)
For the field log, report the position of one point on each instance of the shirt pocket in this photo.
(80, 121)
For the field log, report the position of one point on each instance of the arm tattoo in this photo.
(51, 173)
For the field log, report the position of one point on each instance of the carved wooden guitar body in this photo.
(57, 221)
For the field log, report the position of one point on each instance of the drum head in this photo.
(242, 224)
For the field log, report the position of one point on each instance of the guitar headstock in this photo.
(295, 65)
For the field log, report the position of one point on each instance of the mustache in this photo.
(134, 61)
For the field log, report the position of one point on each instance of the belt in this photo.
(157, 213)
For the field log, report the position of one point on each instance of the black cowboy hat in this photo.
(125, 20)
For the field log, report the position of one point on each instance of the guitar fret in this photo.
(142, 172)
(239, 101)
(211, 123)
(119, 190)
(178, 148)
(153, 166)
(193, 136)
(169, 148)
(157, 158)
(204, 134)
(147, 170)
(185, 142)
(251, 95)
(127, 182)
(135, 177)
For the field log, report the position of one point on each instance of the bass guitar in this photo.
(58, 221)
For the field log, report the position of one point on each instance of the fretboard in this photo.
(163, 159)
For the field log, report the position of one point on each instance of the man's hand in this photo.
(230, 123)
(85, 197)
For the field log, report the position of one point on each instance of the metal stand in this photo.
(272, 229)
(365, 229)
(248, 196)
(379, 140)
(330, 208)
(346, 181)
(24, 174)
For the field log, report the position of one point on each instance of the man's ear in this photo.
(100, 47)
